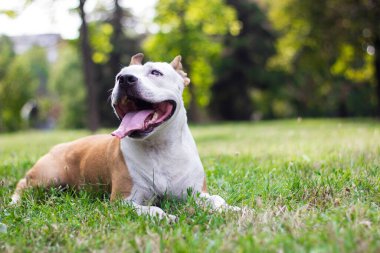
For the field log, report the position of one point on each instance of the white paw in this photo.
(158, 212)
(233, 208)
(15, 199)
(154, 211)
(219, 204)
(171, 218)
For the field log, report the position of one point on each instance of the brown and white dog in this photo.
(152, 153)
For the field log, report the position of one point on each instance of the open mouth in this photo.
(140, 117)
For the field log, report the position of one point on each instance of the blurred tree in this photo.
(13, 13)
(242, 66)
(125, 43)
(192, 29)
(88, 71)
(328, 47)
(37, 61)
(124, 40)
(19, 80)
(7, 55)
(113, 41)
(357, 22)
(105, 43)
(67, 85)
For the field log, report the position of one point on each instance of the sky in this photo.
(47, 16)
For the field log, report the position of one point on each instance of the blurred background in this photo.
(247, 59)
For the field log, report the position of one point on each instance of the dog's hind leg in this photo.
(45, 173)
(21, 186)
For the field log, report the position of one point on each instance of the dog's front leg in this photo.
(215, 202)
(152, 211)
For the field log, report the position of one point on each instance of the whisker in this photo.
(109, 98)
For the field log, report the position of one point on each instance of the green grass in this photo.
(312, 185)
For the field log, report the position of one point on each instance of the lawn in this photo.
(309, 185)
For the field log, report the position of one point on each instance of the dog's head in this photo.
(146, 97)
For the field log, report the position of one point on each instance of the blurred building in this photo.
(48, 41)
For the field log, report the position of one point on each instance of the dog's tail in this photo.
(21, 186)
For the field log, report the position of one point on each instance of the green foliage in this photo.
(192, 29)
(7, 55)
(19, 80)
(100, 41)
(309, 189)
(323, 46)
(242, 77)
(318, 27)
(9, 13)
(16, 89)
(112, 44)
(66, 83)
(37, 62)
(346, 65)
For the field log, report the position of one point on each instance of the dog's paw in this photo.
(162, 216)
(232, 208)
(15, 200)
(171, 218)
(216, 202)
(228, 208)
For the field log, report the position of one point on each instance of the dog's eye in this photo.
(155, 72)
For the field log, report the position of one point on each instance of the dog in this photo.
(151, 154)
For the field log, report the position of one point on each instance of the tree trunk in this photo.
(377, 72)
(116, 38)
(342, 101)
(88, 71)
(194, 111)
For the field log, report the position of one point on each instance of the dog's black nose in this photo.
(127, 80)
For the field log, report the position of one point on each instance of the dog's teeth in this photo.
(155, 116)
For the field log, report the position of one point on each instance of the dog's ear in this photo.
(177, 65)
(137, 59)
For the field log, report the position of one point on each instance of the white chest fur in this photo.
(165, 166)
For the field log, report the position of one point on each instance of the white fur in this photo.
(15, 199)
(152, 211)
(215, 202)
(166, 161)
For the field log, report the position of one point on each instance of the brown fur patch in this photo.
(204, 187)
(95, 160)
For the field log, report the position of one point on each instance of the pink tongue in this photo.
(132, 121)
(142, 120)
